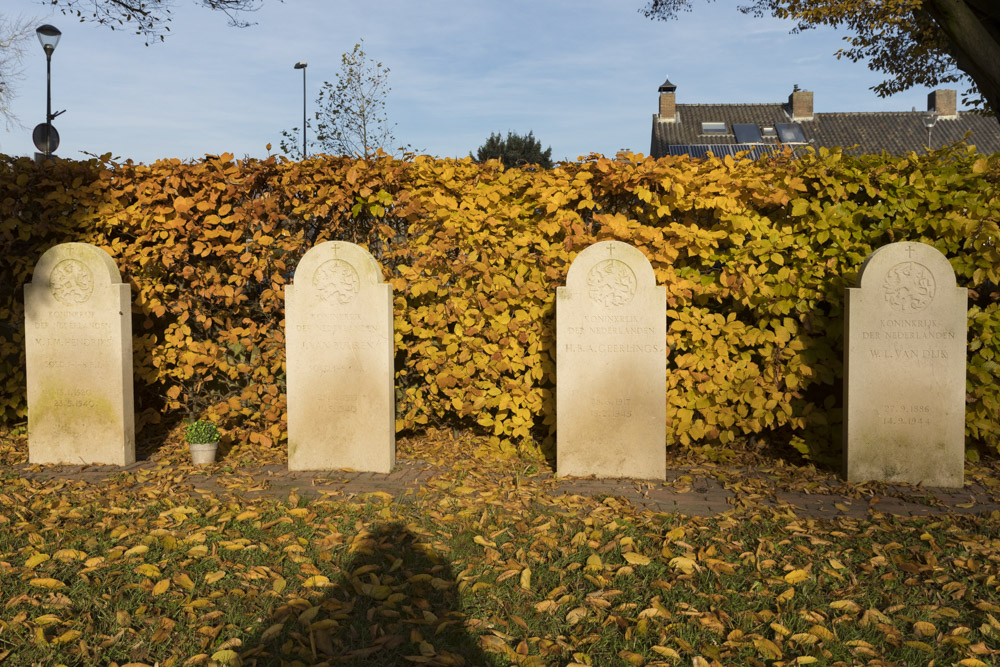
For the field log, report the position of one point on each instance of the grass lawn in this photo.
(483, 566)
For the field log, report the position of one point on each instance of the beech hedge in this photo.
(755, 257)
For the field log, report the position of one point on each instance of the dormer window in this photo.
(768, 132)
(713, 128)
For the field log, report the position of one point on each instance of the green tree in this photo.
(912, 42)
(514, 151)
(350, 116)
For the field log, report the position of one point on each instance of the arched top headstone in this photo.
(69, 272)
(610, 366)
(340, 362)
(78, 358)
(610, 273)
(336, 272)
(908, 274)
(904, 369)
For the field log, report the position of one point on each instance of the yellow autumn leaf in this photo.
(666, 652)
(161, 587)
(683, 563)
(796, 576)
(68, 636)
(924, 629)
(148, 570)
(227, 657)
(316, 581)
(36, 560)
(184, 581)
(47, 582)
(526, 579)
(137, 550)
(575, 615)
(69, 555)
(271, 632)
(634, 558)
(47, 619)
(279, 585)
(845, 605)
(213, 577)
(594, 563)
(767, 648)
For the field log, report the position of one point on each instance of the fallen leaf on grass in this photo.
(796, 576)
(634, 558)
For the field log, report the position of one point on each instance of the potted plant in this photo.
(203, 440)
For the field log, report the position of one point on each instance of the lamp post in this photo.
(302, 64)
(45, 136)
(929, 118)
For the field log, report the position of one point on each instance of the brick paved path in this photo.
(698, 496)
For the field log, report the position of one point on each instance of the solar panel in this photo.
(790, 133)
(747, 133)
(753, 151)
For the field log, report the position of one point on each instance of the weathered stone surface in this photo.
(611, 366)
(904, 368)
(339, 337)
(78, 331)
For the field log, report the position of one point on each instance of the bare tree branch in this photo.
(15, 35)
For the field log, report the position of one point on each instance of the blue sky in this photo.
(581, 74)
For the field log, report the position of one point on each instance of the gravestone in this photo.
(611, 366)
(78, 331)
(904, 369)
(339, 337)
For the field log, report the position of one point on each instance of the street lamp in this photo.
(45, 136)
(929, 118)
(302, 64)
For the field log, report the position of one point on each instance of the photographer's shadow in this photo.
(395, 602)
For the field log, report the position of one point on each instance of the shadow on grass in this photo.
(396, 602)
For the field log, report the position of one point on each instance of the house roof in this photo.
(872, 132)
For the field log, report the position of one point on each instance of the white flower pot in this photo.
(203, 453)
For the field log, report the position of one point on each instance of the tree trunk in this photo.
(974, 37)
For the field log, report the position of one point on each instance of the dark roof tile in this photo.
(869, 132)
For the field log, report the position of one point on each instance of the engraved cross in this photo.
(909, 250)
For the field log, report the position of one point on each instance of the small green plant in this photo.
(202, 432)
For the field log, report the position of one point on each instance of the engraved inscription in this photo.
(336, 281)
(71, 282)
(908, 287)
(74, 398)
(611, 283)
(905, 415)
(611, 408)
(343, 405)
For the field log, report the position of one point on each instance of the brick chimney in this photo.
(800, 104)
(668, 102)
(943, 103)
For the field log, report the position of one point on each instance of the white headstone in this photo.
(340, 373)
(611, 381)
(78, 329)
(904, 369)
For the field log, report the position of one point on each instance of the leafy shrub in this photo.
(755, 257)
